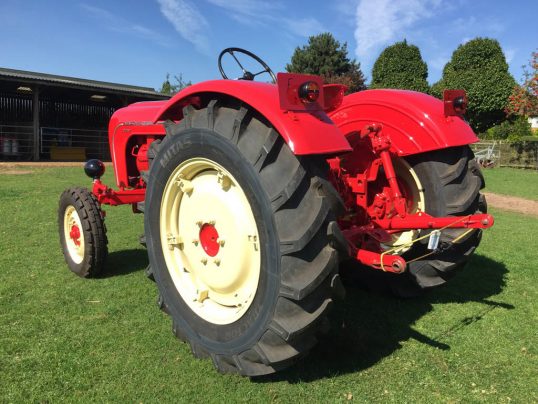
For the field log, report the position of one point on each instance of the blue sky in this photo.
(137, 42)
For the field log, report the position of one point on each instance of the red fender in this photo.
(414, 121)
(304, 132)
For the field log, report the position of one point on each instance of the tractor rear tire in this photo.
(82, 232)
(451, 181)
(247, 270)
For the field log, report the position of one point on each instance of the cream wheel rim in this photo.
(402, 241)
(73, 234)
(210, 240)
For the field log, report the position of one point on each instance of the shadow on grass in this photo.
(370, 326)
(125, 262)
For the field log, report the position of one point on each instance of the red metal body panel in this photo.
(136, 119)
(415, 122)
(305, 132)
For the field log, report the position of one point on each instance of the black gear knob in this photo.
(94, 168)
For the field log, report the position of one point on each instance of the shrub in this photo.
(326, 57)
(401, 66)
(512, 130)
(479, 67)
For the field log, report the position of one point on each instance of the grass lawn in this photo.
(512, 181)
(63, 338)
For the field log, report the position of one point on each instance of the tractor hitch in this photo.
(395, 263)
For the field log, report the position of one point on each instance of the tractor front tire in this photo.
(82, 232)
(238, 236)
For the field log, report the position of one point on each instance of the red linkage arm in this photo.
(108, 196)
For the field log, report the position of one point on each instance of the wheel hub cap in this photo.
(75, 235)
(74, 238)
(210, 240)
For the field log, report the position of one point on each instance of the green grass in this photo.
(63, 338)
(512, 181)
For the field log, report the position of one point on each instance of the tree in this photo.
(479, 67)
(400, 66)
(514, 130)
(170, 89)
(325, 56)
(524, 98)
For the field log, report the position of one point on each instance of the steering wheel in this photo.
(246, 74)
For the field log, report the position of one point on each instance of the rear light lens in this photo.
(309, 92)
(459, 103)
(455, 102)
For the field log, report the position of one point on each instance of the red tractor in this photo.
(254, 193)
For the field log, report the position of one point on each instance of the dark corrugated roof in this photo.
(44, 78)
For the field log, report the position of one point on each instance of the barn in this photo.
(50, 117)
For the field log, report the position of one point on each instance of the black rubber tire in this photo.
(294, 207)
(93, 228)
(451, 180)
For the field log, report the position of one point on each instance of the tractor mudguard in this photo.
(304, 132)
(415, 122)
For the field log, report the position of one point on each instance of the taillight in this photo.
(300, 92)
(309, 92)
(455, 102)
(459, 104)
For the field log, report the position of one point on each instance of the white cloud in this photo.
(252, 8)
(119, 24)
(460, 25)
(494, 26)
(477, 26)
(509, 53)
(187, 21)
(304, 27)
(190, 23)
(268, 14)
(346, 8)
(381, 21)
(439, 62)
